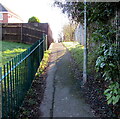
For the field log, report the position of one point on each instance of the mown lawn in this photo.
(9, 50)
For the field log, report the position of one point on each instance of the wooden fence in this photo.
(26, 32)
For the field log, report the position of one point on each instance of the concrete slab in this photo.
(62, 96)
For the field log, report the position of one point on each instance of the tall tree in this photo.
(96, 11)
(68, 32)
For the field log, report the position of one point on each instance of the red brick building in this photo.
(7, 16)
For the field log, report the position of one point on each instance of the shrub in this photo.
(33, 20)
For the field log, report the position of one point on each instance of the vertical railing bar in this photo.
(39, 51)
(11, 87)
(30, 65)
(26, 72)
(17, 79)
(13, 98)
(24, 80)
(20, 80)
(5, 99)
(8, 82)
(21, 94)
(1, 92)
(29, 70)
(15, 88)
(19, 83)
(25, 76)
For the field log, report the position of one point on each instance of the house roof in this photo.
(2, 8)
(5, 9)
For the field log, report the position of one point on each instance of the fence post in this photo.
(43, 45)
(46, 42)
(21, 33)
(39, 51)
(0, 92)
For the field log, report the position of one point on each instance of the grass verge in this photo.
(31, 103)
(76, 51)
(11, 49)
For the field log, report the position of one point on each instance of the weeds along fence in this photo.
(17, 76)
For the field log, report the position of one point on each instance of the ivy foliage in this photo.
(102, 31)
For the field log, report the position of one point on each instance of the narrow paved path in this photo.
(61, 98)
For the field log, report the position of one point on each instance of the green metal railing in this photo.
(16, 78)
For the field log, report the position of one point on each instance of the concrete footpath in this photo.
(61, 97)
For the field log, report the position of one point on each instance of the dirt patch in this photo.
(93, 93)
(32, 101)
(94, 90)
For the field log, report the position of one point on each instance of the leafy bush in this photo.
(113, 93)
(107, 63)
(33, 20)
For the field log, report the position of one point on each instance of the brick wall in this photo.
(5, 18)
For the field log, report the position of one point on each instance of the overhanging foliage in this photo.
(102, 30)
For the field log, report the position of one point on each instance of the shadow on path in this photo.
(62, 97)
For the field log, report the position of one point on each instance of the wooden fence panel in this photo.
(26, 32)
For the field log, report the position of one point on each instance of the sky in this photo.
(43, 9)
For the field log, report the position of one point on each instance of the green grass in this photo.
(76, 51)
(9, 50)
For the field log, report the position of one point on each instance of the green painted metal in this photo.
(17, 77)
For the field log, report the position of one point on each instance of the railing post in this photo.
(43, 44)
(39, 52)
(46, 42)
(0, 92)
(29, 70)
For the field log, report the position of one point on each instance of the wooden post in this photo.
(46, 42)
(21, 33)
